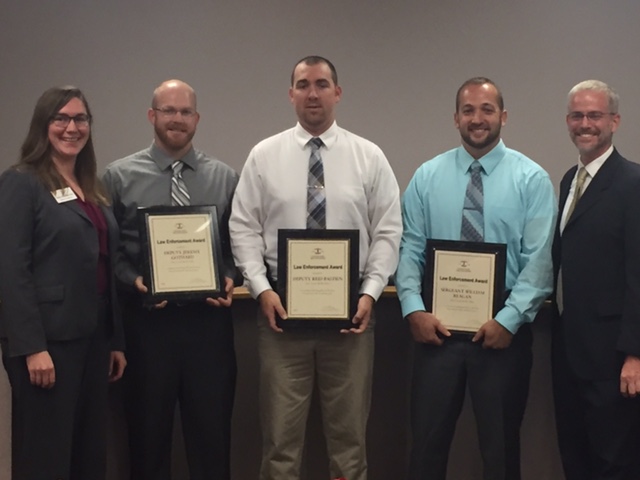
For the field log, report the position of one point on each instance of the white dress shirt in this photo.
(361, 193)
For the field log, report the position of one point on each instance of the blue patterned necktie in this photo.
(473, 212)
(316, 197)
(179, 193)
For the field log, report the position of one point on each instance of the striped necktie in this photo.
(179, 193)
(316, 197)
(473, 212)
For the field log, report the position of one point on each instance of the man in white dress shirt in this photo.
(361, 193)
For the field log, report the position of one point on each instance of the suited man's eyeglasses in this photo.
(591, 116)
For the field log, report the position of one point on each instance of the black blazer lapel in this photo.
(556, 249)
(565, 187)
(73, 206)
(599, 184)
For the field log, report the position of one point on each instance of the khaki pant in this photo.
(290, 363)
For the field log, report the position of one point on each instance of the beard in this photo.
(173, 137)
(491, 137)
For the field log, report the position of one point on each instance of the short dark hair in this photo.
(314, 60)
(479, 81)
(35, 154)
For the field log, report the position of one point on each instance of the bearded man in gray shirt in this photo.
(178, 353)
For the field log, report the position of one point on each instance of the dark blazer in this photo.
(599, 252)
(48, 268)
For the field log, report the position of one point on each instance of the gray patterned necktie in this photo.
(473, 212)
(316, 197)
(179, 193)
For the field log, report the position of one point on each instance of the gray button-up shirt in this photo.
(144, 180)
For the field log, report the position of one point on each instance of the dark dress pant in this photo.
(179, 355)
(61, 433)
(498, 383)
(598, 429)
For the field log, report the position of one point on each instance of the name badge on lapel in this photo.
(64, 195)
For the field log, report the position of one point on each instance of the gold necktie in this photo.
(577, 193)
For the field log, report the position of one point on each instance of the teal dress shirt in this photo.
(520, 210)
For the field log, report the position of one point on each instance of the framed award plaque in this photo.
(464, 282)
(318, 277)
(181, 253)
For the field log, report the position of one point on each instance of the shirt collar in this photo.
(593, 166)
(164, 161)
(329, 137)
(489, 161)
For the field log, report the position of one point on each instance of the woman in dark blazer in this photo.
(60, 326)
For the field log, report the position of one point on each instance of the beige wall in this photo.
(399, 63)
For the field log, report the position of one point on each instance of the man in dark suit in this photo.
(596, 344)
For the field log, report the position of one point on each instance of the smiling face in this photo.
(174, 117)
(592, 136)
(67, 142)
(479, 118)
(314, 96)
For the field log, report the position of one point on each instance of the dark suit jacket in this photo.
(48, 268)
(599, 252)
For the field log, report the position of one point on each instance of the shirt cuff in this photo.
(372, 288)
(510, 319)
(258, 285)
(412, 304)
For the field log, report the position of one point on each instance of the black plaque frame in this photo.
(498, 250)
(353, 238)
(146, 252)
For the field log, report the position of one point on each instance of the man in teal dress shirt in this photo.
(518, 209)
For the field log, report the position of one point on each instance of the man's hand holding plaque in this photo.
(493, 335)
(223, 300)
(272, 308)
(142, 288)
(425, 328)
(363, 315)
